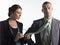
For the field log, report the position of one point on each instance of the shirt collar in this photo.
(50, 20)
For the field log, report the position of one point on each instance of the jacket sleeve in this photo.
(59, 33)
(32, 29)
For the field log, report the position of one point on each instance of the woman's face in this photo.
(17, 14)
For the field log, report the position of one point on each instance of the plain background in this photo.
(31, 11)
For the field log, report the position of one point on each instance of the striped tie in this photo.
(41, 28)
(47, 40)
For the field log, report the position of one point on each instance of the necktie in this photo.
(47, 25)
(47, 40)
(41, 28)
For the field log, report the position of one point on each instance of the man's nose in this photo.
(47, 10)
(20, 15)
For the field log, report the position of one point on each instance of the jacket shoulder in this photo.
(38, 20)
(2, 22)
(19, 23)
(56, 20)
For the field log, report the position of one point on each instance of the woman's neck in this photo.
(13, 23)
(14, 20)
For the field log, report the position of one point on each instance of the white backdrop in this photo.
(31, 11)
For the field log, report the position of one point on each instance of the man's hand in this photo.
(27, 36)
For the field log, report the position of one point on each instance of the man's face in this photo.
(47, 10)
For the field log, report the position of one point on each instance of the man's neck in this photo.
(48, 17)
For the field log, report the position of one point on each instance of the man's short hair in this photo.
(45, 3)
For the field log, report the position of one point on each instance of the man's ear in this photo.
(42, 10)
(52, 8)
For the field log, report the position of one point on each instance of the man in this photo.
(0, 33)
(43, 37)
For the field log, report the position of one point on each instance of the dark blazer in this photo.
(6, 37)
(0, 33)
(55, 35)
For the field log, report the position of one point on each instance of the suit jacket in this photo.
(55, 34)
(6, 37)
(0, 33)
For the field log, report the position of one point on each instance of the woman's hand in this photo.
(19, 36)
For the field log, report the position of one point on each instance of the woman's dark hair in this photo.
(13, 8)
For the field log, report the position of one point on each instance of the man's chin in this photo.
(18, 18)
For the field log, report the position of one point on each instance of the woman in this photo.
(11, 29)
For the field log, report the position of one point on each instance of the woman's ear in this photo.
(11, 14)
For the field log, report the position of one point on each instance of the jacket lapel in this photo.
(7, 30)
(55, 32)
